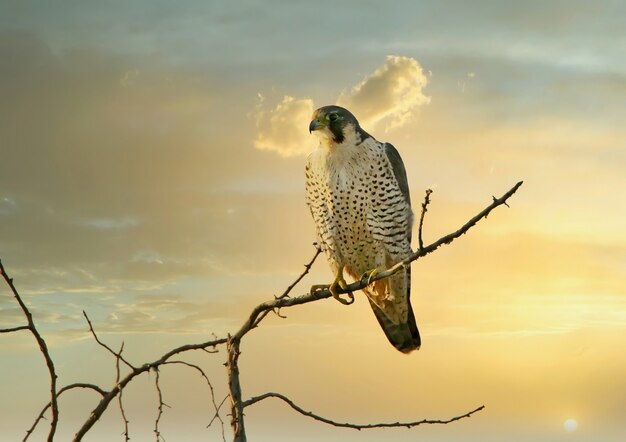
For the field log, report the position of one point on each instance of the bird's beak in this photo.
(315, 125)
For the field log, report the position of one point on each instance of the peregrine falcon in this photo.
(357, 190)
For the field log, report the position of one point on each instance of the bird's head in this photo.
(334, 124)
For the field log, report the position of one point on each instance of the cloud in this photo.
(283, 129)
(391, 95)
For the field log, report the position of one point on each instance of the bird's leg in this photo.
(338, 283)
(366, 278)
(341, 283)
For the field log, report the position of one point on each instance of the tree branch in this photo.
(43, 347)
(14, 329)
(162, 404)
(206, 378)
(319, 418)
(421, 224)
(117, 381)
(109, 349)
(106, 400)
(233, 343)
(62, 390)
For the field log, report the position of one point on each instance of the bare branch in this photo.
(206, 378)
(234, 387)
(307, 268)
(260, 311)
(43, 347)
(233, 343)
(162, 404)
(106, 400)
(14, 329)
(102, 344)
(317, 417)
(62, 390)
(217, 415)
(421, 224)
(119, 398)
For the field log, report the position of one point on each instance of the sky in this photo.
(151, 174)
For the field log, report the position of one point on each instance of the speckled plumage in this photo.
(357, 191)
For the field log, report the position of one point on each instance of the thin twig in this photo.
(285, 294)
(206, 378)
(119, 398)
(421, 224)
(97, 412)
(43, 347)
(162, 404)
(14, 329)
(216, 416)
(102, 344)
(307, 268)
(319, 418)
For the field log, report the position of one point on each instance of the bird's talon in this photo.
(366, 278)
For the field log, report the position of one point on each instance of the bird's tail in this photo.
(402, 333)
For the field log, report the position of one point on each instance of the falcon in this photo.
(358, 194)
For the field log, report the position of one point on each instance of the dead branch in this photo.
(61, 391)
(260, 311)
(117, 381)
(206, 378)
(43, 347)
(118, 355)
(421, 224)
(162, 404)
(233, 343)
(319, 418)
(106, 400)
(14, 329)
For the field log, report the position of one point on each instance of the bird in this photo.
(357, 191)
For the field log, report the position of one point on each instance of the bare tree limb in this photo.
(260, 310)
(43, 347)
(206, 378)
(421, 224)
(162, 404)
(319, 418)
(14, 329)
(62, 390)
(117, 381)
(102, 344)
(217, 415)
(106, 400)
(307, 268)
(233, 343)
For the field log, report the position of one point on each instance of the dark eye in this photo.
(333, 117)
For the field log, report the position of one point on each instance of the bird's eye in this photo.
(333, 117)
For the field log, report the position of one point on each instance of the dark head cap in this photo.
(335, 119)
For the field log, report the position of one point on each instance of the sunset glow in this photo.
(151, 174)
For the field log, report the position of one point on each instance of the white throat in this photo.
(351, 138)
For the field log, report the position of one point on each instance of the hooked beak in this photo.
(315, 125)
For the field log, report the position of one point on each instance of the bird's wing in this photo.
(394, 313)
(399, 172)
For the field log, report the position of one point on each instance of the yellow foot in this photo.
(366, 278)
(334, 288)
(338, 284)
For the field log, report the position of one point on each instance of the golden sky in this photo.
(151, 173)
